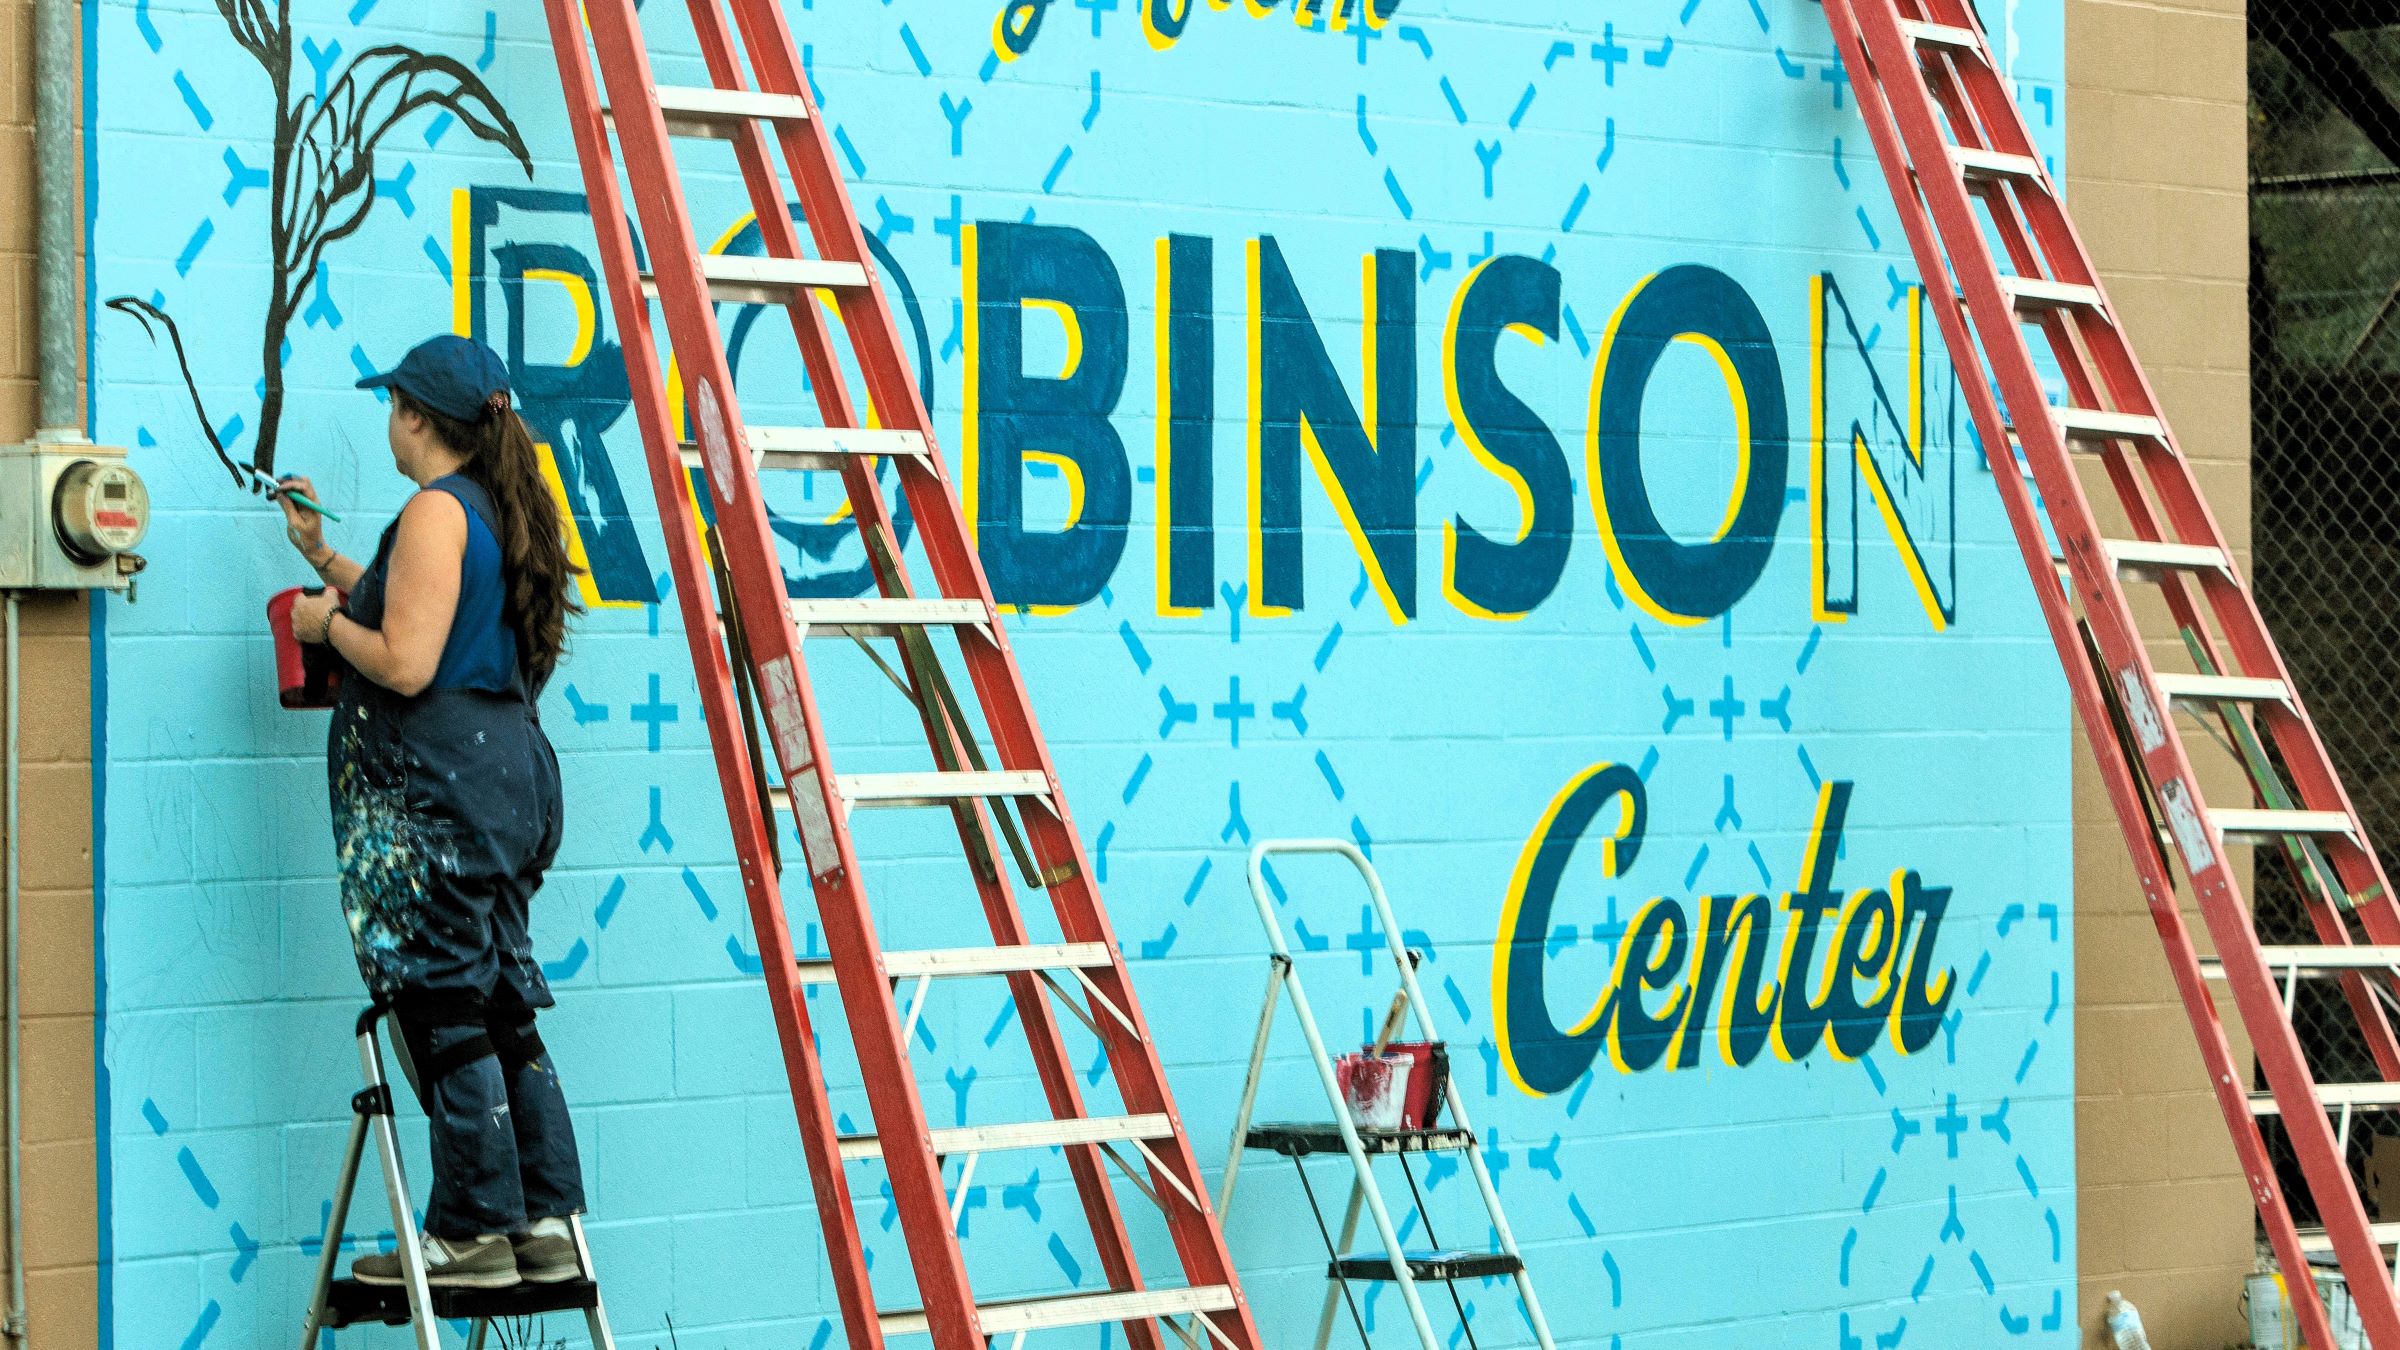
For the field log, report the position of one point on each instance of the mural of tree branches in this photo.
(322, 185)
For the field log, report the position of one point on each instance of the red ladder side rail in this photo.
(873, 516)
(2126, 474)
(1009, 711)
(695, 596)
(1873, 42)
(792, 717)
(1979, 101)
(1987, 104)
(2227, 1076)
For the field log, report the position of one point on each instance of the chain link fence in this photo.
(2324, 161)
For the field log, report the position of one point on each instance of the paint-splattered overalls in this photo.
(446, 813)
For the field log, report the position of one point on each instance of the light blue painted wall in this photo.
(1919, 1199)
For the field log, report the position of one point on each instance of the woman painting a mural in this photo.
(446, 804)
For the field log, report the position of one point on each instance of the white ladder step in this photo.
(1993, 165)
(2314, 1242)
(2099, 424)
(819, 447)
(870, 617)
(769, 281)
(1076, 1310)
(720, 114)
(2334, 1096)
(2204, 690)
(952, 963)
(1939, 35)
(1026, 1135)
(2145, 560)
(2314, 961)
(938, 789)
(2034, 295)
(2256, 826)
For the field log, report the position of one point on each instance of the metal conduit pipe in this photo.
(58, 329)
(57, 174)
(18, 1331)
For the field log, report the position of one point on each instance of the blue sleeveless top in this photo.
(481, 652)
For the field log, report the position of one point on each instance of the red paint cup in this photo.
(1374, 1088)
(307, 674)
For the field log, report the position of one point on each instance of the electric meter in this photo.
(99, 510)
(71, 514)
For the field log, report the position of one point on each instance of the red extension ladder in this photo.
(767, 109)
(1951, 138)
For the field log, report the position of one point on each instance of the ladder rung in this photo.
(2143, 558)
(769, 281)
(1939, 35)
(876, 616)
(720, 114)
(1993, 165)
(1303, 1139)
(2314, 1242)
(2211, 689)
(2366, 1096)
(2319, 961)
(1076, 1310)
(1437, 1265)
(2097, 424)
(2254, 825)
(955, 962)
(1025, 1135)
(2033, 295)
(818, 447)
(938, 789)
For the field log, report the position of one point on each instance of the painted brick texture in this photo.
(2157, 98)
(1692, 181)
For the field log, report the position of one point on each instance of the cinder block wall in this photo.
(2156, 148)
(61, 1207)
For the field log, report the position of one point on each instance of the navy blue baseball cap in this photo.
(455, 376)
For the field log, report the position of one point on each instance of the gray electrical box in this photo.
(71, 514)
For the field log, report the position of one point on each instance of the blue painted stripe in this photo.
(691, 882)
(201, 1185)
(192, 247)
(191, 100)
(206, 1324)
(916, 54)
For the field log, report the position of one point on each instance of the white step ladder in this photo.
(1342, 1134)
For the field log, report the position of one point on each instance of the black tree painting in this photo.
(323, 183)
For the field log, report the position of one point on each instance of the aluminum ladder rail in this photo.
(1283, 978)
(1951, 138)
(1087, 971)
(335, 1303)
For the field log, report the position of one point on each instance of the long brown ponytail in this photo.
(502, 460)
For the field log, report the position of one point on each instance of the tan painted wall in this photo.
(60, 1200)
(2157, 126)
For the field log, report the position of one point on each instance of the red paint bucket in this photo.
(307, 674)
(1428, 1082)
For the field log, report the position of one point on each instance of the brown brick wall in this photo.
(2157, 103)
(61, 1207)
